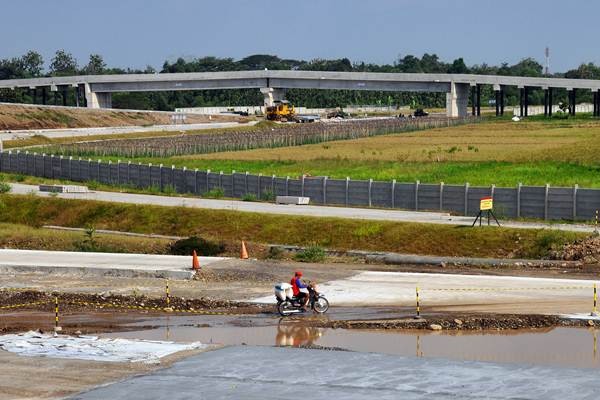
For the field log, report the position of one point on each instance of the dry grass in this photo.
(493, 141)
(333, 233)
(40, 117)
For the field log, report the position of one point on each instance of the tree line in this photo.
(63, 63)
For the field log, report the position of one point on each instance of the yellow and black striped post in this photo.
(56, 327)
(595, 310)
(418, 307)
(167, 293)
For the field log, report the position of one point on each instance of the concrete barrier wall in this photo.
(538, 110)
(542, 202)
(300, 110)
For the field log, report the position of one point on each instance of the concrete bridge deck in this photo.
(98, 88)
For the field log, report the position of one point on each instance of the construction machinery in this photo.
(281, 111)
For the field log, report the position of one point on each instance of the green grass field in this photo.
(498, 151)
(20, 236)
(231, 226)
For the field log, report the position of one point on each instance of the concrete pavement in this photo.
(115, 130)
(103, 264)
(309, 211)
(247, 372)
(476, 292)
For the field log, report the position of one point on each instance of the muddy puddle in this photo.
(570, 347)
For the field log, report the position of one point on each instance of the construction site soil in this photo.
(93, 313)
(18, 116)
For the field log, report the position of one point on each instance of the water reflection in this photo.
(297, 335)
(574, 347)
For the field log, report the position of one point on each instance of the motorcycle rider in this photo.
(300, 289)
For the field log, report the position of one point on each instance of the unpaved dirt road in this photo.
(348, 284)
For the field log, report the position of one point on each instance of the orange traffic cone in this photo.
(195, 262)
(244, 251)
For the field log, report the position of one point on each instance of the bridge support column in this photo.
(457, 100)
(65, 95)
(272, 95)
(550, 101)
(97, 99)
(501, 100)
(497, 99)
(521, 102)
(545, 102)
(596, 103)
(526, 90)
(478, 90)
(572, 101)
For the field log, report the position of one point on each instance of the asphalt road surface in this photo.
(310, 211)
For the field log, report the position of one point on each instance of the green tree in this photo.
(63, 64)
(33, 63)
(458, 67)
(95, 66)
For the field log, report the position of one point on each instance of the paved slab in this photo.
(110, 264)
(371, 288)
(312, 211)
(285, 373)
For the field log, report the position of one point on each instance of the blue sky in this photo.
(137, 33)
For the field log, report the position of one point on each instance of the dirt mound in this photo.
(19, 116)
(586, 250)
(458, 322)
(77, 301)
(205, 275)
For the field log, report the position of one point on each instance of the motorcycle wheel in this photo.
(285, 308)
(321, 305)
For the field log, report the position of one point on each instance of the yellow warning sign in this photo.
(486, 203)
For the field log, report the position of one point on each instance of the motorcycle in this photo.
(316, 301)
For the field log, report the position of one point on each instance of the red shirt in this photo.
(294, 286)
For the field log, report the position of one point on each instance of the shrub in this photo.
(18, 177)
(169, 189)
(93, 185)
(214, 193)
(275, 253)
(311, 254)
(545, 242)
(249, 197)
(185, 247)
(267, 195)
(5, 187)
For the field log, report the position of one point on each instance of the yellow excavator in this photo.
(281, 111)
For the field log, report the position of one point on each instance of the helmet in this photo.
(298, 273)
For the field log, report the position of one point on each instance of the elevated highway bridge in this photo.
(95, 90)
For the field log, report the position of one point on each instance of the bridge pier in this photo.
(97, 99)
(572, 101)
(526, 90)
(271, 95)
(457, 100)
(521, 98)
(596, 95)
